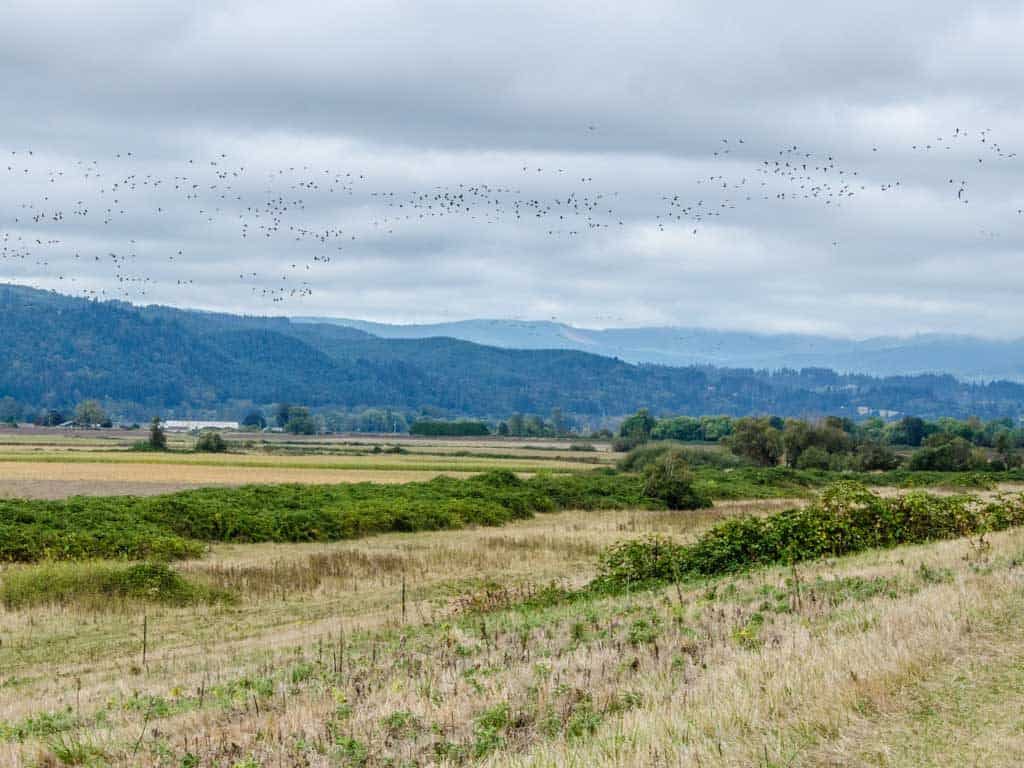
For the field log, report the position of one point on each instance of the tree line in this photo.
(836, 443)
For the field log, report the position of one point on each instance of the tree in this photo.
(559, 424)
(211, 441)
(812, 457)
(714, 428)
(943, 452)
(10, 410)
(797, 437)
(872, 455)
(254, 418)
(830, 436)
(463, 428)
(638, 426)
(89, 413)
(684, 428)
(50, 418)
(872, 430)
(516, 425)
(757, 440)
(634, 431)
(282, 413)
(157, 438)
(1004, 445)
(911, 431)
(299, 421)
(503, 429)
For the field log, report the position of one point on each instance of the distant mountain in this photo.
(57, 350)
(962, 356)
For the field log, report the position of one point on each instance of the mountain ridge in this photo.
(964, 356)
(58, 350)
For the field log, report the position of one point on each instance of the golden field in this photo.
(56, 465)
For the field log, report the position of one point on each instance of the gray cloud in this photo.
(423, 97)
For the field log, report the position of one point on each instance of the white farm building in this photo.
(173, 425)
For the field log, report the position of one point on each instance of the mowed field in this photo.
(425, 649)
(47, 463)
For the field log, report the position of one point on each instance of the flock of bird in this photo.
(104, 228)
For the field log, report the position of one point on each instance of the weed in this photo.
(489, 729)
(583, 721)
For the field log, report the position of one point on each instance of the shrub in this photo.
(97, 583)
(947, 453)
(489, 729)
(846, 518)
(873, 456)
(211, 442)
(813, 458)
(584, 720)
(174, 526)
(637, 561)
(624, 444)
(450, 428)
(640, 457)
(668, 479)
(758, 440)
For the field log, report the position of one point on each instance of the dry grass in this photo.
(80, 467)
(278, 461)
(50, 472)
(56, 480)
(53, 465)
(907, 657)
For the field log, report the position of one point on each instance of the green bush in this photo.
(176, 525)
(639, 561)
(668, 479)
(211, 442)
(640, 457)
(947, 453)
(97, 583)
(450, 428)
(757, 440)
(846, 518)
(813, 458)
(873, 456)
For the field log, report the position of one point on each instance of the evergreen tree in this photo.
(157, 436)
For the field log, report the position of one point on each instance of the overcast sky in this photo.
(330, 123)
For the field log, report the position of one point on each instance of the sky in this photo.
(839, 169)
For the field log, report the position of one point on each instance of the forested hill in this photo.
(56, 351)
(967, 357)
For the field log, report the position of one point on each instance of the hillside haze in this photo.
(966, 357)
(57, 350)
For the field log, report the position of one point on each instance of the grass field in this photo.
(485, 645)
(47, 464)
(903, 657)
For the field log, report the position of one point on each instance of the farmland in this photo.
(55, 464)
(532, 607)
